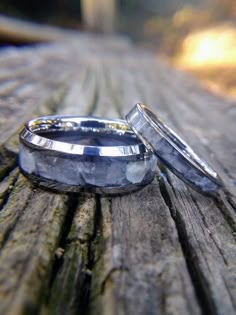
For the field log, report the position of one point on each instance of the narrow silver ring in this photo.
(172, 150)
(72, 153)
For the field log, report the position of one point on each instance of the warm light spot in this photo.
(211, 47)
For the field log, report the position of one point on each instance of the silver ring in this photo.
(172, 150)
(72, 153)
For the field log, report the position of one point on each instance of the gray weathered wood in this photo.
(162, 250)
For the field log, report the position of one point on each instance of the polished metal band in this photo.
(172, 150)
(73, 153)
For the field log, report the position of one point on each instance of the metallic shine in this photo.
(29, 136)
(71, 167)
(172, 150)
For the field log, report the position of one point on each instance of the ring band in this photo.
(172, 150)
(72, 153)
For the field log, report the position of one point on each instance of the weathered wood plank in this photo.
(220, 286)
(81, 94)
(137, 269)
(164, 249)
(44, 85)
(6, 186)
(7, 162)
(68, 290)
(30, 231)
(18, 209)
(70, 285)
(209, 244)
(198, 243)
(129, 261)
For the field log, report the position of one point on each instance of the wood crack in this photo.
(197, 279)
(71, 207)
(8, 184)
(109, 276)
(144, 253)
(210, 234)
(7, 234)
(8, 161)
(74, 268)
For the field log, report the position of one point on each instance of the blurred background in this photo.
(198, 36)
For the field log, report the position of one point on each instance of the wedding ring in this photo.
(72, 153)
(172, 150)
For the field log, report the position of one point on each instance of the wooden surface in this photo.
(165, 249)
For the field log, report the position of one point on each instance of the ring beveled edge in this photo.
(38, 142)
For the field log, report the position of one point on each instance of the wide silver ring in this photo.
(72, 153)
(172, 150)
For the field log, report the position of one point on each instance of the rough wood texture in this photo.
(163, 250)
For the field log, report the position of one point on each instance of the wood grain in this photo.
(162, 250)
